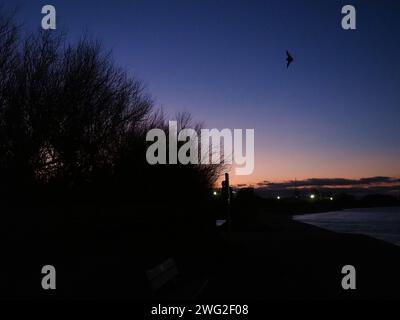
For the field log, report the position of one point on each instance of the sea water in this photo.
(379, 223)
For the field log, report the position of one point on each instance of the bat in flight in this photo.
(289, 59)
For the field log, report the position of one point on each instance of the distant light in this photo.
(312, 196)
(331, 198)
(215, 193)
(278, 197)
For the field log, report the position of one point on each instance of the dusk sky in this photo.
(334, 113)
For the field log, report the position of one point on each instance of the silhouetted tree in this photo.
(73, 123)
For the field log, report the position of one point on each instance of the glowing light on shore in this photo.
(312, 196)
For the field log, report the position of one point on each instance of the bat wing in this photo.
(289, 59)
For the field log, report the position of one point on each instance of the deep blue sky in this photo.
(334, 113)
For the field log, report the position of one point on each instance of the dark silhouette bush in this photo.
(73, 128)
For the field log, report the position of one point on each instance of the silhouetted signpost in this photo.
(226, 192)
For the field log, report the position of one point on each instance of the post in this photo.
(228, 201)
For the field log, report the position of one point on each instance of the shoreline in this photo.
(342, 209)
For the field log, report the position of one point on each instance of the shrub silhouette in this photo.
(73, 127)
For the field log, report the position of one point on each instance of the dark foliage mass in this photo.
(73, 127)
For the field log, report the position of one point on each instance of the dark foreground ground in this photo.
(270, 257)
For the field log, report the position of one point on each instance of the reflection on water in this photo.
(380, 223)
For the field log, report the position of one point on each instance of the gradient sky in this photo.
(334, 113)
